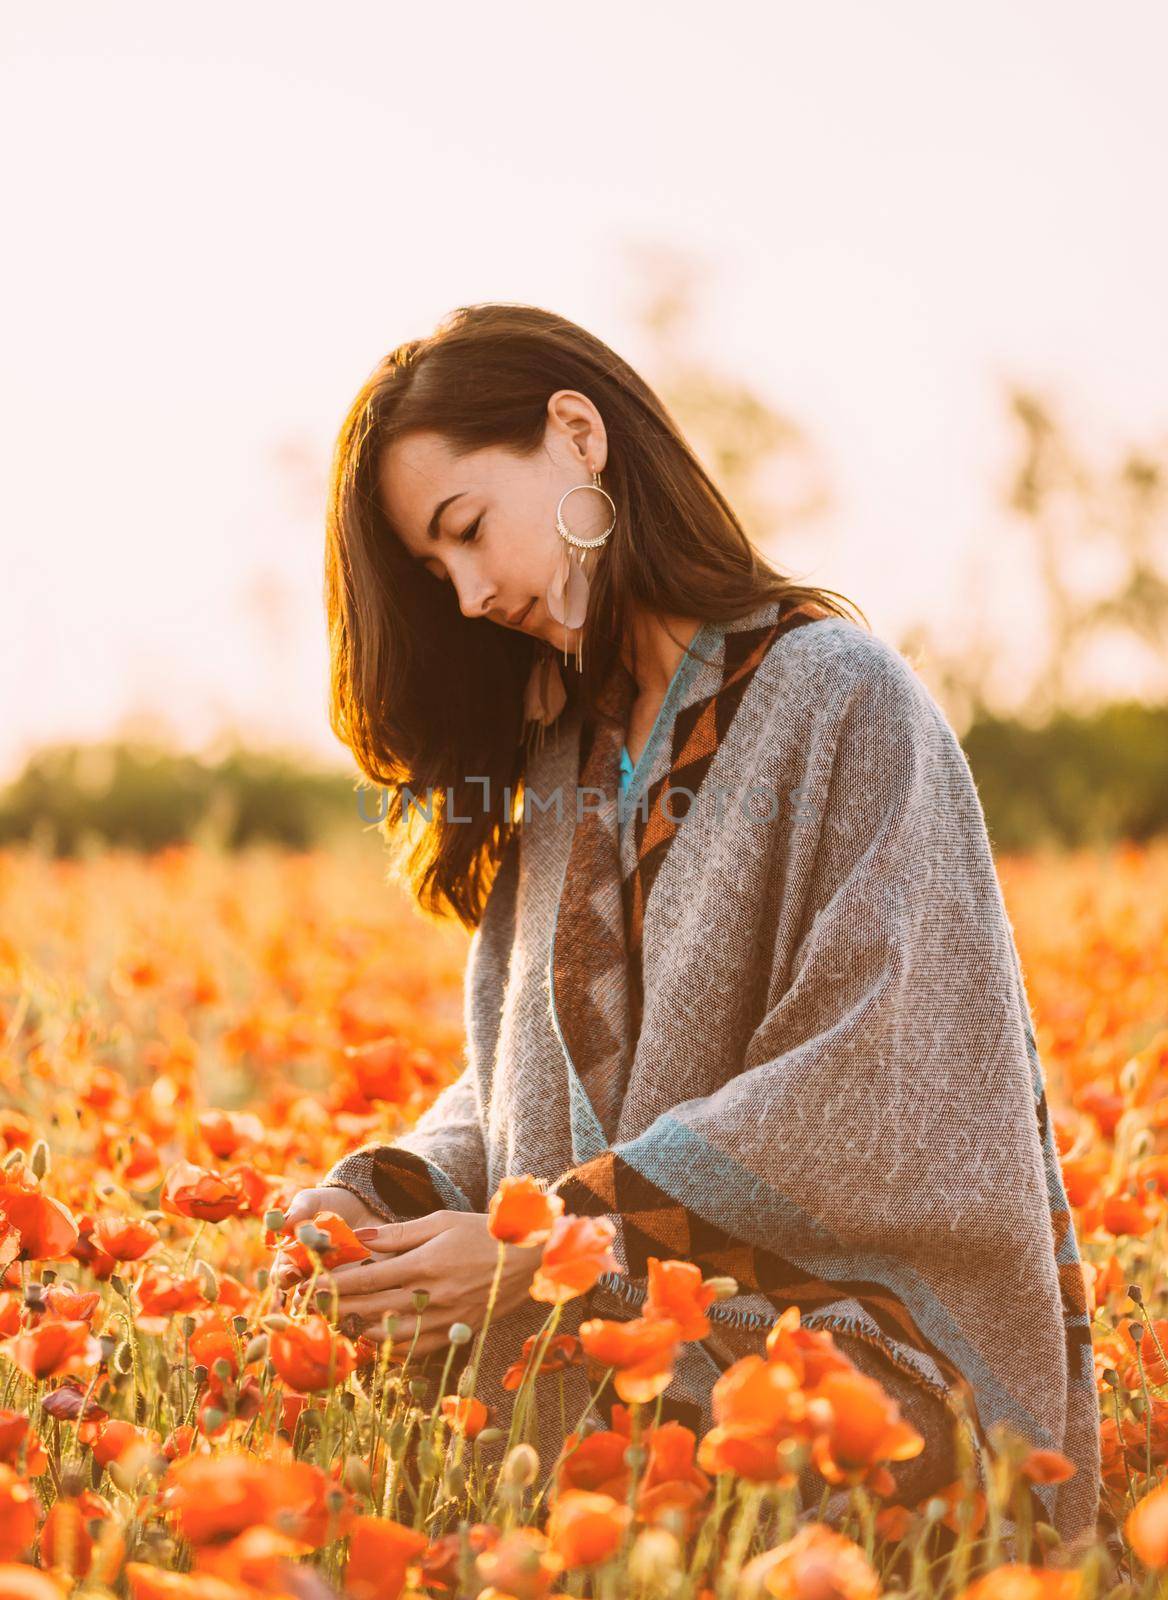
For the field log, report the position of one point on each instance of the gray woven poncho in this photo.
(768, 1015)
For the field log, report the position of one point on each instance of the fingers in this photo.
(390, 1237)
(304, 1206)
(357, 1279)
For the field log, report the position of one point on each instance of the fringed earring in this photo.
(567, 602)
(567, 594)
(544, 698)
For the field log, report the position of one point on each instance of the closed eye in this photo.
(464, 538)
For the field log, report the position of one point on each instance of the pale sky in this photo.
(220, 217)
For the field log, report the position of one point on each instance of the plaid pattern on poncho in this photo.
(768, 1015)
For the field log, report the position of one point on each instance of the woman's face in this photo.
(486, 522)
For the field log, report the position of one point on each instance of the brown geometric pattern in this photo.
(655, 1224)
(403, 1183)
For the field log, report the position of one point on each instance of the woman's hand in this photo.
(451, 1256)
(304, 1205)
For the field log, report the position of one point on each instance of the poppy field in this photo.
(190, 1038)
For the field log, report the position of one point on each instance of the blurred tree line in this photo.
(1059, 766)
(1076, 780)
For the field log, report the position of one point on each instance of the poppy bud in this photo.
(274, 1220)
(256, 1350)
(39, 1160)
(356, 1476)
(213, 1419)
(490, 1436)
(1136, 1293)
(124, 1357)
(126, 1477)
(460, 1334)
(521, 1466)
(421, 1300)
(454, 1481)
(223, 1370)
(208, 1282)
(724, 1288)
(655, 1560)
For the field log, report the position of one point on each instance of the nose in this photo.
(474, 600)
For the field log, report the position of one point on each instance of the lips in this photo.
(514, 621)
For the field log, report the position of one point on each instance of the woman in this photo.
(763, 1007)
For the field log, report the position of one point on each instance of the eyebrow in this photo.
(433, 532)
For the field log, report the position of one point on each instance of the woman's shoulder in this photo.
(831, 667)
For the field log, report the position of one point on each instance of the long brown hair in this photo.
(428, 698)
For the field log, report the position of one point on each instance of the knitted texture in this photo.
(768, 1015)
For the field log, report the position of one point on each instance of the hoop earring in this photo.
(567, 594)
(566, 598)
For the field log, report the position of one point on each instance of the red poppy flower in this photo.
(577, 1253)
(522, 1213)
(676, 1291)
(18, 1514)
(310, 1356)
(53, 1349)
(585, 1528)
(191, 1191)
(642, 1352)
(44, 1227)
(125, 1238)
(380, 1555)
(20, 1446)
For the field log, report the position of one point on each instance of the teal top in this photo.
(626, 771)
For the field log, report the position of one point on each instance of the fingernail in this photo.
(366, 1233)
